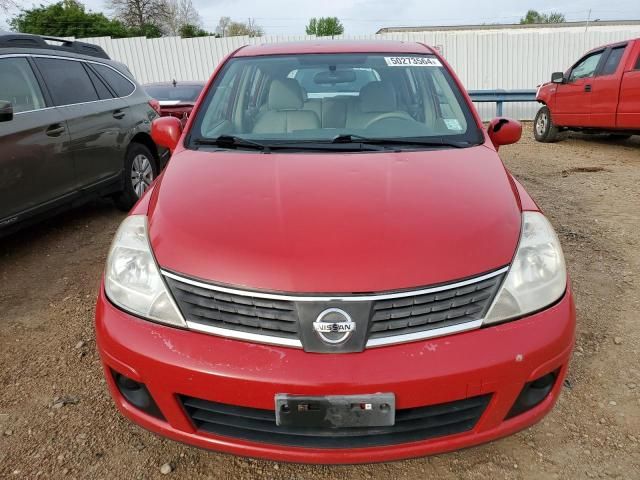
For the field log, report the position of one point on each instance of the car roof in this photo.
(121, 67)
(613, 44)
(27, 41)
(333, 46)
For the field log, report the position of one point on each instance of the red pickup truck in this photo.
(600, 93)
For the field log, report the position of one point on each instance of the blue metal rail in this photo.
(501, 96)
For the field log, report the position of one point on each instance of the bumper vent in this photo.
(400, 316)
(412, 425)
(275, 318)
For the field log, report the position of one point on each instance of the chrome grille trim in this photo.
(239, 335)
(370, 343)
(425, 334)
(333, 298)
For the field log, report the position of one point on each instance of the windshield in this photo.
(179, 93)
(319, 97)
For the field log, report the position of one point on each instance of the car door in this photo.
(628, 115)
(93, 116)
(605, 88)
(36, 165)
(573, 98)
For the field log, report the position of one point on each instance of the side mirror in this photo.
(6, 111)
(557, 77)
(166, 131)
(504, 131)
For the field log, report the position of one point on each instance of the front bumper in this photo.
(497, 360)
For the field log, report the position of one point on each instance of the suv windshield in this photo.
(319, 98)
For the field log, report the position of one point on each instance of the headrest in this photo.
(285, 94)
(378, 97)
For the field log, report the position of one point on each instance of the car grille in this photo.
(411, 425)
(385, 318)
(400, 316)
(276, 318)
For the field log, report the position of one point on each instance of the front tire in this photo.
(139, 171)
(543, 128)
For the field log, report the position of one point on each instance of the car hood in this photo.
(334, 222)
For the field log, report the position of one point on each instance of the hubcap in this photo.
(141, 174)
(541, 124)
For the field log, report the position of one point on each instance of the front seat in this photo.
(377, 101)
(284, 112)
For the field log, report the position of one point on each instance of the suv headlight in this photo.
(537, 276)
(132, 279)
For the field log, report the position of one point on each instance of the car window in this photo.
(169, 93)
(316, 97)
(118, 82)
(101, 88)
(613, 60)
(67, 80)
(586, 68)
(19, 85)
(638, 63)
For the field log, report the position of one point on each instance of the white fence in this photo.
(484, 59)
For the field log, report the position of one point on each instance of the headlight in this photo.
(537, 277)
(132, 279)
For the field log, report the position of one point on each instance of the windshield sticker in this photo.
(452, 124)
(412, 62)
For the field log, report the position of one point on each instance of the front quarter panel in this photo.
(546, 94)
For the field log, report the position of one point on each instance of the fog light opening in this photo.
(533, 393)
(136, 394)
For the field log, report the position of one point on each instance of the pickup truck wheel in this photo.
(543, 128)
(139, 171)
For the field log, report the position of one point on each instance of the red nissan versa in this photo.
(335, 266)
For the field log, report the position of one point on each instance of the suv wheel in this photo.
(139, 171)
(543, 128)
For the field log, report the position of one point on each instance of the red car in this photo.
(600, 93)
(335, 275)
(175, 99)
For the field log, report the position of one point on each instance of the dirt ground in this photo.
(57, 420)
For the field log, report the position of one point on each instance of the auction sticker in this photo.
(452, 124)
(412, 62)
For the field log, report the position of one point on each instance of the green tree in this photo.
(223, 26)
(325, 27)
(190, 31)
(533, 16)
(67, 18)
(182, 13)
(249, 29)
(148, 30)
(141, 14)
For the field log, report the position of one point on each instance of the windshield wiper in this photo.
(355, 138)
(231, 141)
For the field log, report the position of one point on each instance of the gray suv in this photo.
(73, 124)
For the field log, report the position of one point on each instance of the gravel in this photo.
(49, 277)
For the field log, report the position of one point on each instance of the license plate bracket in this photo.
(335, 411)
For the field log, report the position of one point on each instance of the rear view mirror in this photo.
(557, 77)
(6, 111)
(504, 131)
(334, 76)
(166, 131)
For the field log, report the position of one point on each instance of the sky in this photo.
(289, 17)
